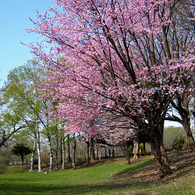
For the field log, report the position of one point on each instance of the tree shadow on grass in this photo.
(181, 162)
(18, 188)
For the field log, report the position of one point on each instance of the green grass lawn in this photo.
(111, 178)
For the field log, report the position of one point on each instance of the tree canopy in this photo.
(21, 150)
(120, 61)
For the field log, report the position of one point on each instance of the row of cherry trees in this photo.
(115, 66)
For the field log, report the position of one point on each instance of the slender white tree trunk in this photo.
(57, 148)
(39, 151)
(50, 158)
(63, 153)
(32, 157)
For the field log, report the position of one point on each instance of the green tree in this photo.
(177, 143)
(21, 150)
(22, 94)
(26, 107)
(11, 119)
(170, 134)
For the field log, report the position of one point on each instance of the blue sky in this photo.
(14, 19)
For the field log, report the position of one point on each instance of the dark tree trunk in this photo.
(109, 153)
(113, 153)
(159, 151)
(185, 114)
(22, 158)
(182, 106)
(87, 154)
(68, 148)
(189, 140)
(97, 151)
(92, 153)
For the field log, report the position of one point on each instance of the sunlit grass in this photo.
(102, 179)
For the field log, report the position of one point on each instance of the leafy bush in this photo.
(170, 134)
(177, 143)
(143, 151)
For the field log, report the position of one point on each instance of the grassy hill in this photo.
(112, 176)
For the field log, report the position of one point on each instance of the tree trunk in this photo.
(135, 148)
(73, 152)
(22, 158)
(105, 154)
(109, 152)
(87, 153)
(68, 142)
(97, 151)
(50, 153)
(113, 153)
(61, 148)
(92, 150)
(128, 154)
(57, 147)
(185, 114)
(182, 106)
(32, 157)
(161, 158)
(63, 153)
(50, 158)
(189, 140)
(159, 151)
(39, 152)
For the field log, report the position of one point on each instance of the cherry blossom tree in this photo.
(118, 60)
(181, 35)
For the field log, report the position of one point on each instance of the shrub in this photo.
(45, 160)
(143, 151)
(177, 143)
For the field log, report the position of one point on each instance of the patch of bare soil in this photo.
(180, 161)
